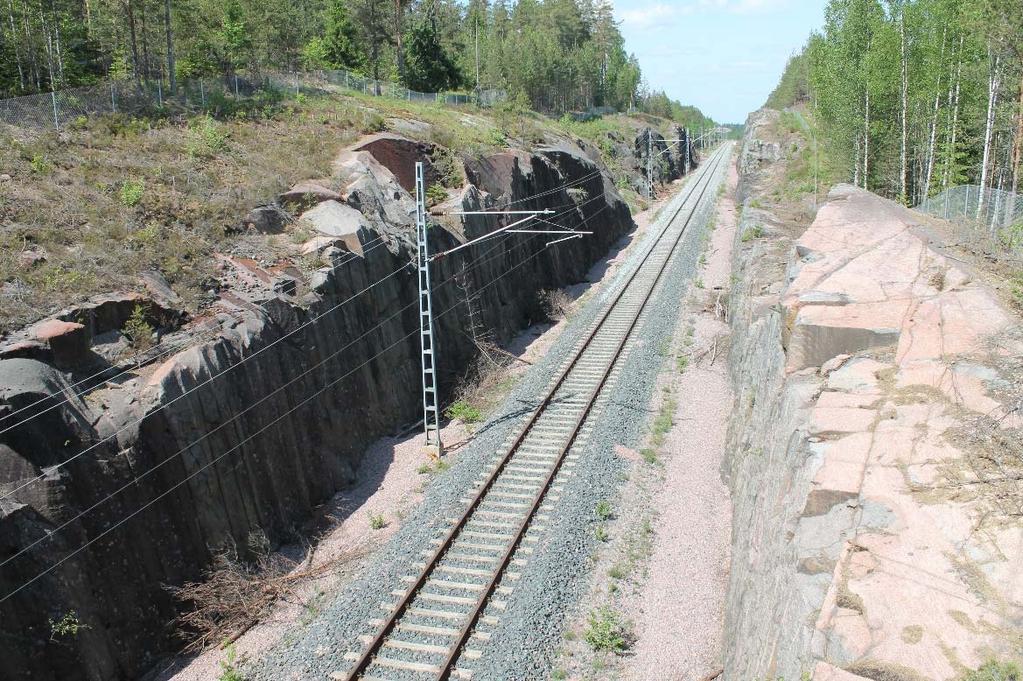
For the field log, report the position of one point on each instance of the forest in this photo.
(914, 96)
(551, 55)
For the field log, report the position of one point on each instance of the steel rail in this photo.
(371, 649)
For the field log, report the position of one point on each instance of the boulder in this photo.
(307, 194)
(69, 341)
(337, 221)
(400, 155)
(266, 220)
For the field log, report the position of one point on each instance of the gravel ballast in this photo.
(528, 632)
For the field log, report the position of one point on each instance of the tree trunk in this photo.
(955, 117)
(147, 65)
(399, 37)
(905, 109)
(133, 37)
(866, 139)
(932, 143)
(170, 45)
(992, 103)
(14, 41)
(1017, 154)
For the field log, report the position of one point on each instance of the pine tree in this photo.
(428, 67)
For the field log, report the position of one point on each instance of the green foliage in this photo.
(138, 330)
(663, 422)
(601, 534)
(605, 631)
(40, 165)
(131, 192)
(682, 363)
(68, 626)
(341, 45)
(649, 455)
(604, 510)
(435, 194)
(1016, 289)
(754, 232)
(464, 412)
(207, 138)
(995, 671)
(428, 66)
(794, 86)
(229, 666)
(377, 521)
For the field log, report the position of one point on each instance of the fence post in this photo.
(236, 85)
(56, 122)
(202, 94)
(966, 206)
(113, 100)
(159, 92)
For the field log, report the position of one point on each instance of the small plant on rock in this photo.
(377, 521)
(67, 626)
(435, 194)
(138, 330)
(604, 510)
(754, 232)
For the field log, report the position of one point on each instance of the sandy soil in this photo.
(388, 472)
(681, 605)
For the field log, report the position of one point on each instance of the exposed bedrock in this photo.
(199, 452)
(874, 435)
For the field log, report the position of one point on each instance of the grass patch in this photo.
(682, 363)
(464, 412)
(377, 521)
(663, 422)
(754, 232)
(229, 666)
(606, 631)
(649, 455)
(604, 510)
(993, 670)
(601, 534)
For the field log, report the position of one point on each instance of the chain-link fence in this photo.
(994, 215)
(59, 109)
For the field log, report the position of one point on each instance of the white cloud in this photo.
(649, 16)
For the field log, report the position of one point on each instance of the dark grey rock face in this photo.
(219, 451)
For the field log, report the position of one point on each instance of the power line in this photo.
(241, 443)
(164, 354)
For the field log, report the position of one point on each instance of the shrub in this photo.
(601, 534)
(464, 412)
(40, 165)
(605, 631)
(208, 137)
(435, 194)
(131, 192)
(604, 510)
(138, 330)
(377, 521)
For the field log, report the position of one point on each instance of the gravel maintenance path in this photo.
(521, 645)
(680, 624)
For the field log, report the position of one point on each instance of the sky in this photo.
(724, 56)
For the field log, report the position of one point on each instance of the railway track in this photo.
(439, 623)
